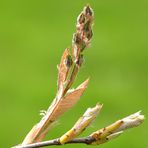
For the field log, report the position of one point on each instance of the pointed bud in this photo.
(114, 130)
(83, 122)
(131, 121)
(88, 11)
(81, 18)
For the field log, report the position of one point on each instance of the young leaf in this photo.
(57, 108)
(63, 68)
(68, 101)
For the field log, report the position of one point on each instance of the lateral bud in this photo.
(89, 34)
(68, 61)
(80, 60)
(78, 41)
(81, 18)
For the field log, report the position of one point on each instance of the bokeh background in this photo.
(33, 35)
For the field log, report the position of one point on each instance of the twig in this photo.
(85, 140)
(66, 98)
(98, 137)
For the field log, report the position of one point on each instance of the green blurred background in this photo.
(33, 35)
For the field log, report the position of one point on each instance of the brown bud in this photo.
(88, 10)
(81, 18)
(68, 61)
(80, 60)
(89, 34)
(79, 42)
(77, 38)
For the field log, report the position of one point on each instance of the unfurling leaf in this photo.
(57, 108)
(83, 122)
(69, 100)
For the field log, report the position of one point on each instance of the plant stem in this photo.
(85, 140)
(72, 78)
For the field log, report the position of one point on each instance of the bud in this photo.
(68, 61)
(81, 18)
(114, 130)
(89, 34)
(88, 11)
(131, 121)
(83, 122)
(77, 39)
(80, 60)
